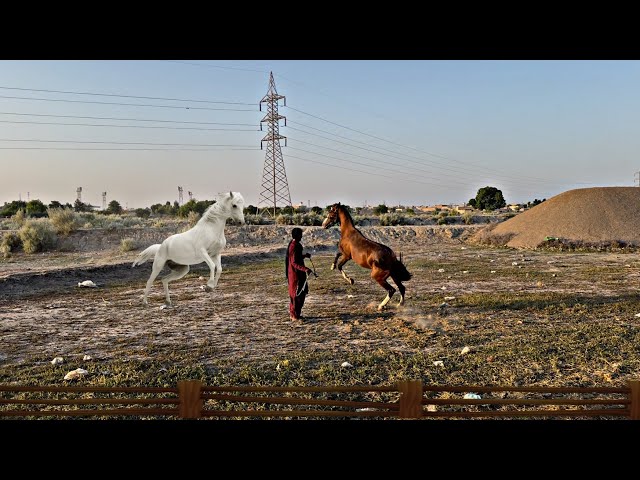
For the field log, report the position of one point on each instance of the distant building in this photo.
(463, 208)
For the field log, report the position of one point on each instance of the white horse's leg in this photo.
(158, 265)
(178, 271)
(212, 267)
(218, 261)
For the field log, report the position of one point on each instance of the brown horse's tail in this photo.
(399, 271)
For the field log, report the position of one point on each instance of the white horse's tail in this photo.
(146, 254)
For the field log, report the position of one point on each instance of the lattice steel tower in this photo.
(275, 188)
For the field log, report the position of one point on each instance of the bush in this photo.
(467, 217)
(64, 220)
(37, 235)
(10, 241)
(284, 219)
(193, 217)
(127, 244)
(252, 219)
(19, 218)
(387, 219)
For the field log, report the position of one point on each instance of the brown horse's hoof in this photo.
(352, 281)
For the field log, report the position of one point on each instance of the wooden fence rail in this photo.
(407, 399)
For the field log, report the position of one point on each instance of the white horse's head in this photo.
(233, 203)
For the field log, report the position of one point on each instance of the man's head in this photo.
(296, 233)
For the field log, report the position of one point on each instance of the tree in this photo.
(288, 210)
(114, 207)
(380, 209)
(55, 204)
(10, 209)
(35, 208)
(489, 198)
(316, 209)
(535, 202)
(143, 212)
(79, 206)
(250, 210)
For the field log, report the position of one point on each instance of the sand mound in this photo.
(599, 215)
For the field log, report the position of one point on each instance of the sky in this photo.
(360, 132)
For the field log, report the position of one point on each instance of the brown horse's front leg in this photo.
(335, 260)
(344, 260)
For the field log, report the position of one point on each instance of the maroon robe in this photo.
(296, 275)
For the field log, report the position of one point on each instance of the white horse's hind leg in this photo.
(218, 261)
(158, 265)
(177, 271)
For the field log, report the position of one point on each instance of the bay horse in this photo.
(203, 242)
(379, 258)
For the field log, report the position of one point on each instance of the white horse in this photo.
(204, 242)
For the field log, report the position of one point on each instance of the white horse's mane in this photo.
(219, 208)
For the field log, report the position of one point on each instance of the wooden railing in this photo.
(407, 399)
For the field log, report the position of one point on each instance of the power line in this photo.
(124, 96)
(121, 143)
(466, 164)
(127, 119)
(129, 126)
(128, 104)
(341, 167)
(358, 163)
(391, 163)
(133, 149)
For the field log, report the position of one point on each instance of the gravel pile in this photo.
(597, 215)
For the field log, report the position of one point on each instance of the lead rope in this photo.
(306, 279)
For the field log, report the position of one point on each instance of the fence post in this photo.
(410, 399)
(635, 399)
(191, 402)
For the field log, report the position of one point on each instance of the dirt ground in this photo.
(460, 295)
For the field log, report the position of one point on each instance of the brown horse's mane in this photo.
(346, 212)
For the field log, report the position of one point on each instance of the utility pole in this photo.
(180, 196)
(79, 194)
(104, 200)
(636, 179)
(274, 177)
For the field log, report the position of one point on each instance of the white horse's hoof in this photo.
(206, 288)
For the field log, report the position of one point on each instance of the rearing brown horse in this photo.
(368, 254)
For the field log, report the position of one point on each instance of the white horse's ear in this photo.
(230, 194)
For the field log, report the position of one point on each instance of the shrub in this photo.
(10, 241)
(19, 218)
(283, 219)
(64, 220)
(193, 217)
(467, 217)
(387, 219)
(127, 244)
(37, 235)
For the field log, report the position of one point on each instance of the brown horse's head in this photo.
(332, 216)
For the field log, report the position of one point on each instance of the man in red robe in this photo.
(296, 273)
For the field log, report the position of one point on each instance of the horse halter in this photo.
(332, 216)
